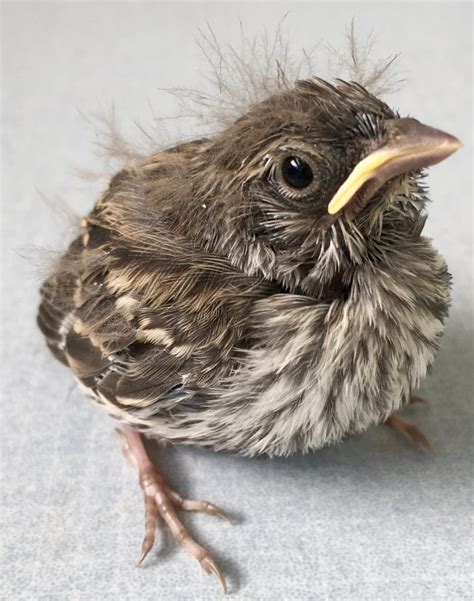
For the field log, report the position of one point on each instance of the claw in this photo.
(214, 510)
(418, 399)
(144, 552)
(413, 432)
(210, 567)
(417, 436)
(151, 516)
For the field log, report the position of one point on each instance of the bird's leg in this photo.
(413, 431)
(161, 500)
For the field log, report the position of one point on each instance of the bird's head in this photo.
(314, 179)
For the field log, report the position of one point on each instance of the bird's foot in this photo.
(408, 428)
(161, 500)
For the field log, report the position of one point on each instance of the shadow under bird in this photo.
(266, 290)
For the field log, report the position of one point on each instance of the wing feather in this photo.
(143, 316)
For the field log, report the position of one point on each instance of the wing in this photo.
(143, 316)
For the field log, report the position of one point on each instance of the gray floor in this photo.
(374, 518)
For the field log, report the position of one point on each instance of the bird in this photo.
(263, 290)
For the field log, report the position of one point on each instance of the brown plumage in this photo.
(263, 290)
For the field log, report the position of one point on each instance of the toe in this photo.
(417, 436)
(151, 516)
(210, 566)
(196, 505)
(418, 399)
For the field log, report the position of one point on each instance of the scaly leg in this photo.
(160, 499)
(413, 432)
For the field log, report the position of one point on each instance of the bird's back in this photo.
(142, 315)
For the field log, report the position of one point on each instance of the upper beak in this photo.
(410, 146)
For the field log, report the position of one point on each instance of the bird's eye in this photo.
(296, 175)
(296, 172)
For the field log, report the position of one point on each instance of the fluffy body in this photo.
(204, 305)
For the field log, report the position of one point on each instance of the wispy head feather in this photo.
(264, 65)
(238, 77)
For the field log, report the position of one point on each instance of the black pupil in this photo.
(296, 172)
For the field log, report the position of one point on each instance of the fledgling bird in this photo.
(265, 290)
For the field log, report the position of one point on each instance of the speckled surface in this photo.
(373, 519)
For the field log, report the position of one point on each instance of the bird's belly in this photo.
(360, 385)
(305, 393)
(305, 407)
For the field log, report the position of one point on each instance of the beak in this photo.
(410, 146)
